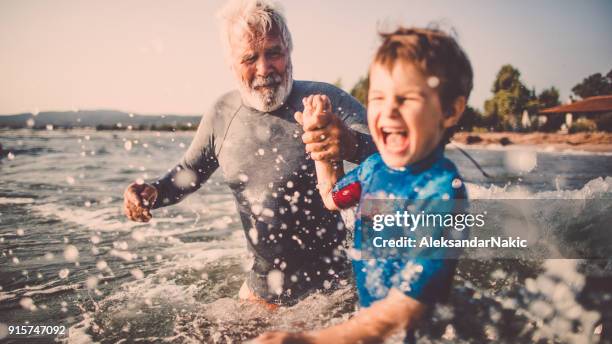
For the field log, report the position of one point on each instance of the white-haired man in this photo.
(253, 136)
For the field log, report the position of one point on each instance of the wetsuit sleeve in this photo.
(348, 196)
(347, 191)
(195, 167)
(353, 114)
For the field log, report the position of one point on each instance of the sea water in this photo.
(69, 256)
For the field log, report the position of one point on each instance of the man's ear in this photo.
(456, 112)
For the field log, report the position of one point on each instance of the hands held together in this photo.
(325, 135)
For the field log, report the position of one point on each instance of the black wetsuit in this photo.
(264, 162)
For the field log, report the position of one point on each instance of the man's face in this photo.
(263, 67)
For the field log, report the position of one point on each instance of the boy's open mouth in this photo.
(395, 138)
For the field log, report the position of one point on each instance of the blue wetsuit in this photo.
(431, 179)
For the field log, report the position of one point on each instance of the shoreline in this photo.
(591, 142)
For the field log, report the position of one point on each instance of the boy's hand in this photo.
(317, 112)
(325, 135)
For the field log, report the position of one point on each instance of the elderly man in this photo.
(251, 133)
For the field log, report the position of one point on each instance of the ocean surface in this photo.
(69, 256)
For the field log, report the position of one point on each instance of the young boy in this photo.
(419, 83)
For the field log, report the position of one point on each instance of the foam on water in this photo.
(16, 200)
(106, 219)
(593, 189)
(529, 148)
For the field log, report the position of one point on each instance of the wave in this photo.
(550, 149)
(43, 289)
(16, 200)
(594, 189)
(105, 219)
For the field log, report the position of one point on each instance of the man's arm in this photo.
(370, 325)
(196, 166)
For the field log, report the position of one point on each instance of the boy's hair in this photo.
(436, 54)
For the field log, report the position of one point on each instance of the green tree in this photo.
(594, 85)
(360, 90)
(510, 98)
(471, 118)
(548, 98)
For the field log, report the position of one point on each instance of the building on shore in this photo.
(590, 114)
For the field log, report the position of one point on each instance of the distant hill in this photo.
(100, 119)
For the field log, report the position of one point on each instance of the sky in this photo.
(160, 57)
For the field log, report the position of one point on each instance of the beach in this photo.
(590, 142)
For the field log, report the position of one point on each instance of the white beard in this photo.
(267, 100)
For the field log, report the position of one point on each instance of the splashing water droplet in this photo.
(185, 178)
(27, 303)
(433, 81)
(71, 253)
(253, 235)
(91, 282)
(63, 273)
(275, 281)
(101, 265)
(137, 273)
(521, 161)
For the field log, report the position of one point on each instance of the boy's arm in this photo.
(375, 323)
(317, 108)
(328, 174)
(371, 325)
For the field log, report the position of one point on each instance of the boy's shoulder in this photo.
(442, 180)
(370, 165)
(362, 173)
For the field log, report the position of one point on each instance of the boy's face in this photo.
(405, 116)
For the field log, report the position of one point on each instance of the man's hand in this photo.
(283, 338)
(325, 135)
(137, 201)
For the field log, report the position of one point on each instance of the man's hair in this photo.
(436, 54)
(256, 17)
